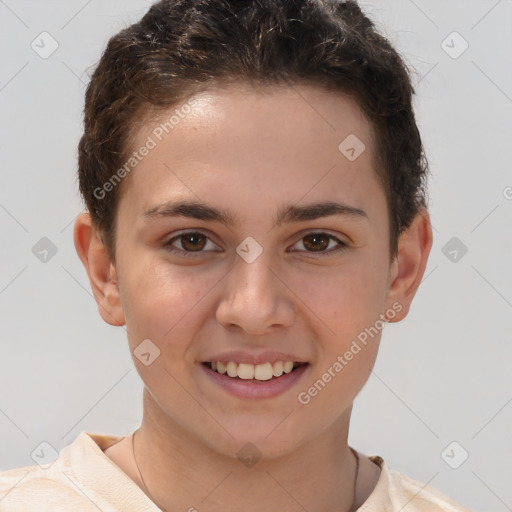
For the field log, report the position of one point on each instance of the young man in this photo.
(254, 180)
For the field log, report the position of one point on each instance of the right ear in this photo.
(100, 269)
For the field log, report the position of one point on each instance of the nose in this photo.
(255, 298)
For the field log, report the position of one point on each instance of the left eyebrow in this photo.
(293, 213)
(286, 214)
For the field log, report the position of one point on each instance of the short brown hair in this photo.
(183, 46)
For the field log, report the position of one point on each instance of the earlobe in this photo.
(407, 270)
(100, 270)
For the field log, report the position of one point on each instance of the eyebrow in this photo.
(286, 214)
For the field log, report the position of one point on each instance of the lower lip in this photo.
(256, 388)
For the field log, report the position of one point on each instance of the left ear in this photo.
(409, 265)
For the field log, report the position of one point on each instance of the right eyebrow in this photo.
(191, 209)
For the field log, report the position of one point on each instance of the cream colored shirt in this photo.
(84, 479)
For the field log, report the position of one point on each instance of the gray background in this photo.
(442, 375)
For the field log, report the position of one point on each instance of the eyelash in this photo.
(193, 254)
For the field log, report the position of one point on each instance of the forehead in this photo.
(280, 142)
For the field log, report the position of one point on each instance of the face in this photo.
(256, 272)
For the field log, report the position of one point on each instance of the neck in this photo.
(181, 473)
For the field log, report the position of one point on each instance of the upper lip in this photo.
(255, 358)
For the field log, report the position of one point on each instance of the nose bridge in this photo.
(252, 278)
(254, 298)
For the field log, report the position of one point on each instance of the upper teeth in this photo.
(248, 371)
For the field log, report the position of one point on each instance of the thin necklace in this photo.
(352, 509)
(141, 478)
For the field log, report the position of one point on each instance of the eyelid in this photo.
(167, 244)
(341, 244)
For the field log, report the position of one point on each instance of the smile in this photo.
(247, 371)
(249, 381)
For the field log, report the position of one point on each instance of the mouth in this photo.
(259, 372)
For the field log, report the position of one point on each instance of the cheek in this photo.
(349, 303)
(159, 301)
(346, 299)
(166, 306)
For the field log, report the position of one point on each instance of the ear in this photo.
(101, 271)
(408, 267)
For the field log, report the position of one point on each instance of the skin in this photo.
(251, 151)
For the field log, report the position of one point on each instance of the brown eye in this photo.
(190, 244)
(321, 244)
(193, 241)
(316, 241)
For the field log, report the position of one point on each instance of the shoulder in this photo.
(81, 478)
(38, 488)
(394, 491)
